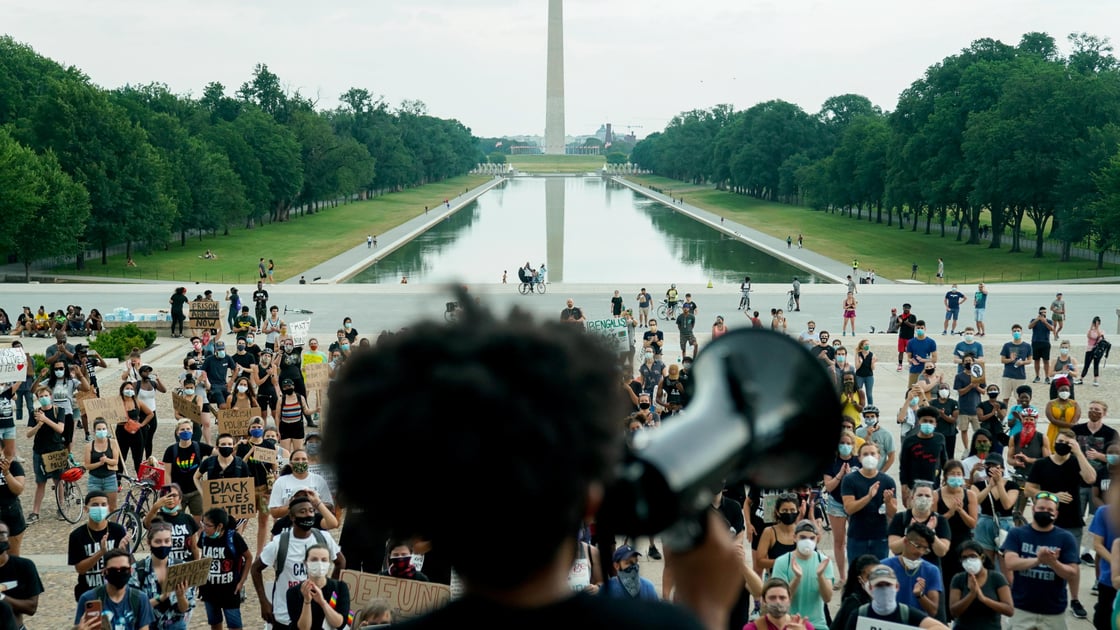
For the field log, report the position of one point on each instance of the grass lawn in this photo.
(889, 251)
(295, 245)
(556, 163)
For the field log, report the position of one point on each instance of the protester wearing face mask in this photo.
(968, 345)
(921, 352)
(183, 458)
(979, 597)
(271, 327)
(969, 388)
(291, 568)
(920, 583)
(883, 589)
(778, 539)
(222, 464)
(47, 438)
(990, 412)
(653, 339)
(195, 391)
(21, 579)
(854, 593)
(229, 568)
(872, 431)
(852, 400)
(907, 416)
(958, 504)
(865, 369)
(1064, 366)
(1062, 412)
(220, 370)
(90, 542)
(125, 605)
(1096, 438)
(102, 462)
(400, 562)
(263, 471)
(845, 463)
(286, 486)
(1015, 355)
(921, 511)
(170, 602)
(922, 454)
(775, 608)
(869, 500)
(184, 529)
(242, 396)
(290, 359)
(318, 601)
(651, 372)
(978, 453)
(948, 413)
(293, 412)
(998, 497)
(1026, 446)
(628, 583)
(130, 433)
(1044, 558)
(809, 574)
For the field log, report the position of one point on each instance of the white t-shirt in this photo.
(294, 571)
(287, 485)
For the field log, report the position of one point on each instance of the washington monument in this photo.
(554, 101)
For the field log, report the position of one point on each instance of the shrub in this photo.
(119, 342)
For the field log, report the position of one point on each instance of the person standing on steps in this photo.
(797, 290)
(980, 304)
(906, 326)
(1040, 328)
(953, 301)
(1058, 312)
(1092, 353)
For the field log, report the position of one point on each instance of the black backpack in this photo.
(903, 612)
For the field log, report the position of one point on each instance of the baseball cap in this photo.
(624, 552)
(805, 525)
(220, 344)
(881, 574)
(286, 382)
(993, 459)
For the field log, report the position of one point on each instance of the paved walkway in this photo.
(347, 264)
(818, 264)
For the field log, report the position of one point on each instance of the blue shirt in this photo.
(1100, 527)
(613, 588)
(907, 579)
(1040, 589)
(119, 616)
(953, 298)
(962, 348)
(924, 348)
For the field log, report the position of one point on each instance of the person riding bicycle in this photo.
(745, 288)
(525, 275)
(671, 298)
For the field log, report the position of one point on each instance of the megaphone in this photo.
(765, 412)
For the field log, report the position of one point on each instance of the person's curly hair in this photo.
(462, 433)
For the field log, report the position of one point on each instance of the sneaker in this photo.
(1078, 381)
(32, 518)
(1096, 384)
(1047, 380)
(59, 516)
(944, 332)
(1037, 380)
(653, 552)
(899, 368)
(1078, 610)
(1088, 559)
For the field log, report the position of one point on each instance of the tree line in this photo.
(1016, 131)
(84, 167)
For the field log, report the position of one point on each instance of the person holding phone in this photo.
(115, 599)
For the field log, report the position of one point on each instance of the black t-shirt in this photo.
(945, 427)
(978, 615)
(587, 612)
(870, 523)
(6, 496)
(921, 459)
(260, 297)
(83, 544)
(1098, 441)
(183, 526)
(987, 505)
(616, 305)
(23, 572)
(290, 365)
(47, 440)
(183, 461)
(212, 468)
(178, 301)
(655, 340)
(227, 562)
(993, 424)
(940, 527)
(334, 592)
(246, 360)
(1065, 477)
(906, 332)
(258, 470)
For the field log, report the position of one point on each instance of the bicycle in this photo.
(792, 302)
(816, 508)
(130, 515)
(68, 494)
(301, 311)
(665, 310)
(745, 301)
(526, 288)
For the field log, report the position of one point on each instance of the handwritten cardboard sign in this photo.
(236, 496)
(194, 573)
(205, 314)
(264, 455)
(410, 597)
(235, 421)
(13, 365)
(186, 408)
(58, 460)
(317, 377)
(111, 408)
(299, 331)
(613, 331)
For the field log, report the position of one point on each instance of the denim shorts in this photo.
(8, 433)
(41, 474)
(214, 616)
(832, 507)
(108, 485)
(986, 530)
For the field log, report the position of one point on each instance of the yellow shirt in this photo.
(1062, 410)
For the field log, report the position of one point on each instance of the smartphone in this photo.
(93, 609)
(164, 491)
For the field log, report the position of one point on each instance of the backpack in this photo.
(282, 553)
(903, 612)
(133, 599)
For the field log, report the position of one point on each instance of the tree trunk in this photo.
(128, 249)
(104, 252)
(27, 271)
(1066, 246)
(80, 259)
(973, 225)
(929, 221)
(183, 238)
(1100, 258)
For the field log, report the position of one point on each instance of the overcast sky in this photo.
(630, 62)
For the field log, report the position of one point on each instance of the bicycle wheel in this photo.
(70, 501)
(662, 312)
(131, 524)
(542, 288)
(523, 288)
(791, 304)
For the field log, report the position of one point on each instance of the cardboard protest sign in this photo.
(235, 421)
(264, 455)
(235, 495)
(112, 408)
(410, 597)
(205, 314)
(58, 460)
(186, 408)
(194, 573)
(317, 377)
(299, 331)
(13, 365)
(612, 330)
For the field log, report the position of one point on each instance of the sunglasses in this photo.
(1047, 495)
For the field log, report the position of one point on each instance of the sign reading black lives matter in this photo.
(205, 314)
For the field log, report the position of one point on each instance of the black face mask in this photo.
(1063, 448)
(1044, 519)
(643, 405)
(788, 518)
(118, 577)
(161, 552)
(225, 451)
(993, 395)
(4, 546)
(306, 522)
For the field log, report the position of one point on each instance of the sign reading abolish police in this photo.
(613, 330)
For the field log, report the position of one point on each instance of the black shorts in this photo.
(1040, 350)
(12, 516)
(266, 400)
(291, 430)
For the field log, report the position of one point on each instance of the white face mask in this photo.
(242, 388)
(869, 462)
(911, 564)
(1063, 395)
(972, 565)
(806, 546)
(923, 504)
(944, 393)
(317, 568)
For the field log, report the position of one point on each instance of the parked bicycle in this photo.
(664, 310)
(68, 492)
(792, 303)
(302, 311)
(138, 501)
(526, 288)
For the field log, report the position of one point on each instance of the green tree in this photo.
(54, 226)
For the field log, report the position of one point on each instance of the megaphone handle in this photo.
(686, 534)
